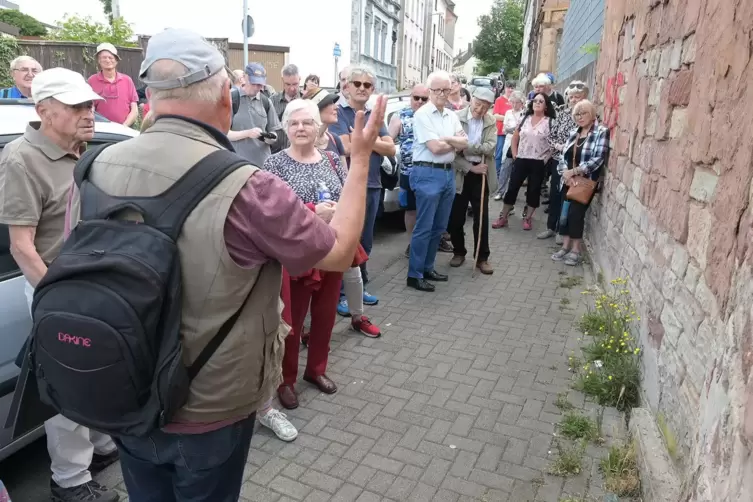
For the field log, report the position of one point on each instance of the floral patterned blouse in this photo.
(534, 140)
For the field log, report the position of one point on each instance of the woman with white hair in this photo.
(317, 177)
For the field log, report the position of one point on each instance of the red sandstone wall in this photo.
(675, 78)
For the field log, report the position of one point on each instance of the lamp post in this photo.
(336, 53)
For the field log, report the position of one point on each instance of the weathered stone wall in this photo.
(675, 79)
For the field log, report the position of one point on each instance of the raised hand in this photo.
(365, 133)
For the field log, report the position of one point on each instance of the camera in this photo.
(267, 135)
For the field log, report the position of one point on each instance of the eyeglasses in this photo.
(581, 114)
(420, 98)
(366, 85)
(295, 124)
(441, 91)
(33, 71)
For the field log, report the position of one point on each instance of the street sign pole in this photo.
(245, 33)
(336, 52)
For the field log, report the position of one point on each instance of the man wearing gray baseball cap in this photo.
(232, 248)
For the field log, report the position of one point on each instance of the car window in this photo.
(8, 266)
(483, 82)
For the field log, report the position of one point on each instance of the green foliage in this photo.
(499, 43)
(576, 426)
(611, 372)
(569, 459)
(591, 49)
(620, 468)
(77, 29)
(107, 8)
(8, 52)
(28, 26)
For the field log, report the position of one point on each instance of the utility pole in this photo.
(116, 9)
(245, 33)
(336, 52)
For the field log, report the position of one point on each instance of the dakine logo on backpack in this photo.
(106, 346)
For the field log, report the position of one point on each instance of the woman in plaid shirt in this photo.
(583, 155)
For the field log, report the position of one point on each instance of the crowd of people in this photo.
(285, 237)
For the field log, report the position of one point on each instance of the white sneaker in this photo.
(279, 423)
(558, 239)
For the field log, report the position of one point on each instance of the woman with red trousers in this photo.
(317, 177)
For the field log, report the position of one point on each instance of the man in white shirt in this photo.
(438, 135)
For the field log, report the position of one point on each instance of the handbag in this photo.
(581, 188)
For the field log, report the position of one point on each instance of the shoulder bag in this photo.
(581, 189)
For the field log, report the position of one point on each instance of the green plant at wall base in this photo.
(78, 29)
(611, 372)
(620, 468)
(8, 52)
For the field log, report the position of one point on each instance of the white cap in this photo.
(66, 86)
(109, 48)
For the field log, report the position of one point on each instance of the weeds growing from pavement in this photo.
(569, 459)
(571, 281)
(620, 470)
(611, 372)
(577, 426)
(562, 403)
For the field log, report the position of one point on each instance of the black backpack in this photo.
(105, 345)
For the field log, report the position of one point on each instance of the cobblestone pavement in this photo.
(454, 403)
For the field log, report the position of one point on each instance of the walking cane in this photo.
(480, 220)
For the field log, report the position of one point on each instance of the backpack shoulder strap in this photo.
(331, 158)
(171, 208)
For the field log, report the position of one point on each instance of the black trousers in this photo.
(572, 226)
(532, 169)
(471, 194)
(555, 197)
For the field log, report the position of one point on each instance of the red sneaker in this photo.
(527, 225)
(365, 327)
(500, 222)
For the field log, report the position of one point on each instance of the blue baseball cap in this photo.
(551, 77)
(256, 74)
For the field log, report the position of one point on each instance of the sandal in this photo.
(572, 259)
(560, 255)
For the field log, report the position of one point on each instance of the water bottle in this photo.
(323, 192)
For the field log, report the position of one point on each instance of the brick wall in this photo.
(674, 79)
(583, 25)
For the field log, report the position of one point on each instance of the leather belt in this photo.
(435, 165)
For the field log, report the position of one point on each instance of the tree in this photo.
(79, 29)
(27, 25)
(107, 7)
(499, 43)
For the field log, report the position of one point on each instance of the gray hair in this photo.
(581, 88)
(289, 70)
(23, 59)
(301, 105)
(358, 70)
(345, 71)
(454, 78)
(541, 80)
(517, 96)
(437, 75)
(209, 90)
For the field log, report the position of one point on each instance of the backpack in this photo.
(105, 344)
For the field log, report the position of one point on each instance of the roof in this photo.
(463, 58)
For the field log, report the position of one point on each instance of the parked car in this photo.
(395, 103)
(15, 322)
(488, 82)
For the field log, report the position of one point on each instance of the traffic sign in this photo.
(249, 22)
(336, 51)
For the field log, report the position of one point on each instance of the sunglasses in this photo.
(576, 86)
(366, 85)
(420, 98)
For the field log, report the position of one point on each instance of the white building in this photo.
(465, 63)
(373, 37)
(410, 50)
(439, 37)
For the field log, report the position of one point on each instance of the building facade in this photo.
(374, 35)
(439, 36)
(544, 23)
(465, 64)
(579, 48)
(411, 43)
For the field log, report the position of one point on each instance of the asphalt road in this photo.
(26, 474)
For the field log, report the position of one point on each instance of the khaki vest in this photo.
(246, 368)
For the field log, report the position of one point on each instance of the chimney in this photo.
(470, 46)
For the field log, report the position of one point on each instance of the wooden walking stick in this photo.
(480, 220)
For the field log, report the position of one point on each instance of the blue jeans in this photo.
(373, 200)
(186, 467)
(498, 157)
(435, 191)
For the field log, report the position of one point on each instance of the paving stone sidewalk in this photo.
(454, 403)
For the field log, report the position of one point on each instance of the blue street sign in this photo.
(336, 51)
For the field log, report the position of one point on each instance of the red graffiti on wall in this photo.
(612, 101)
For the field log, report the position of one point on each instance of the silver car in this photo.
(19, 428)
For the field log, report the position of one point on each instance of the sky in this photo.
(311, 33)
